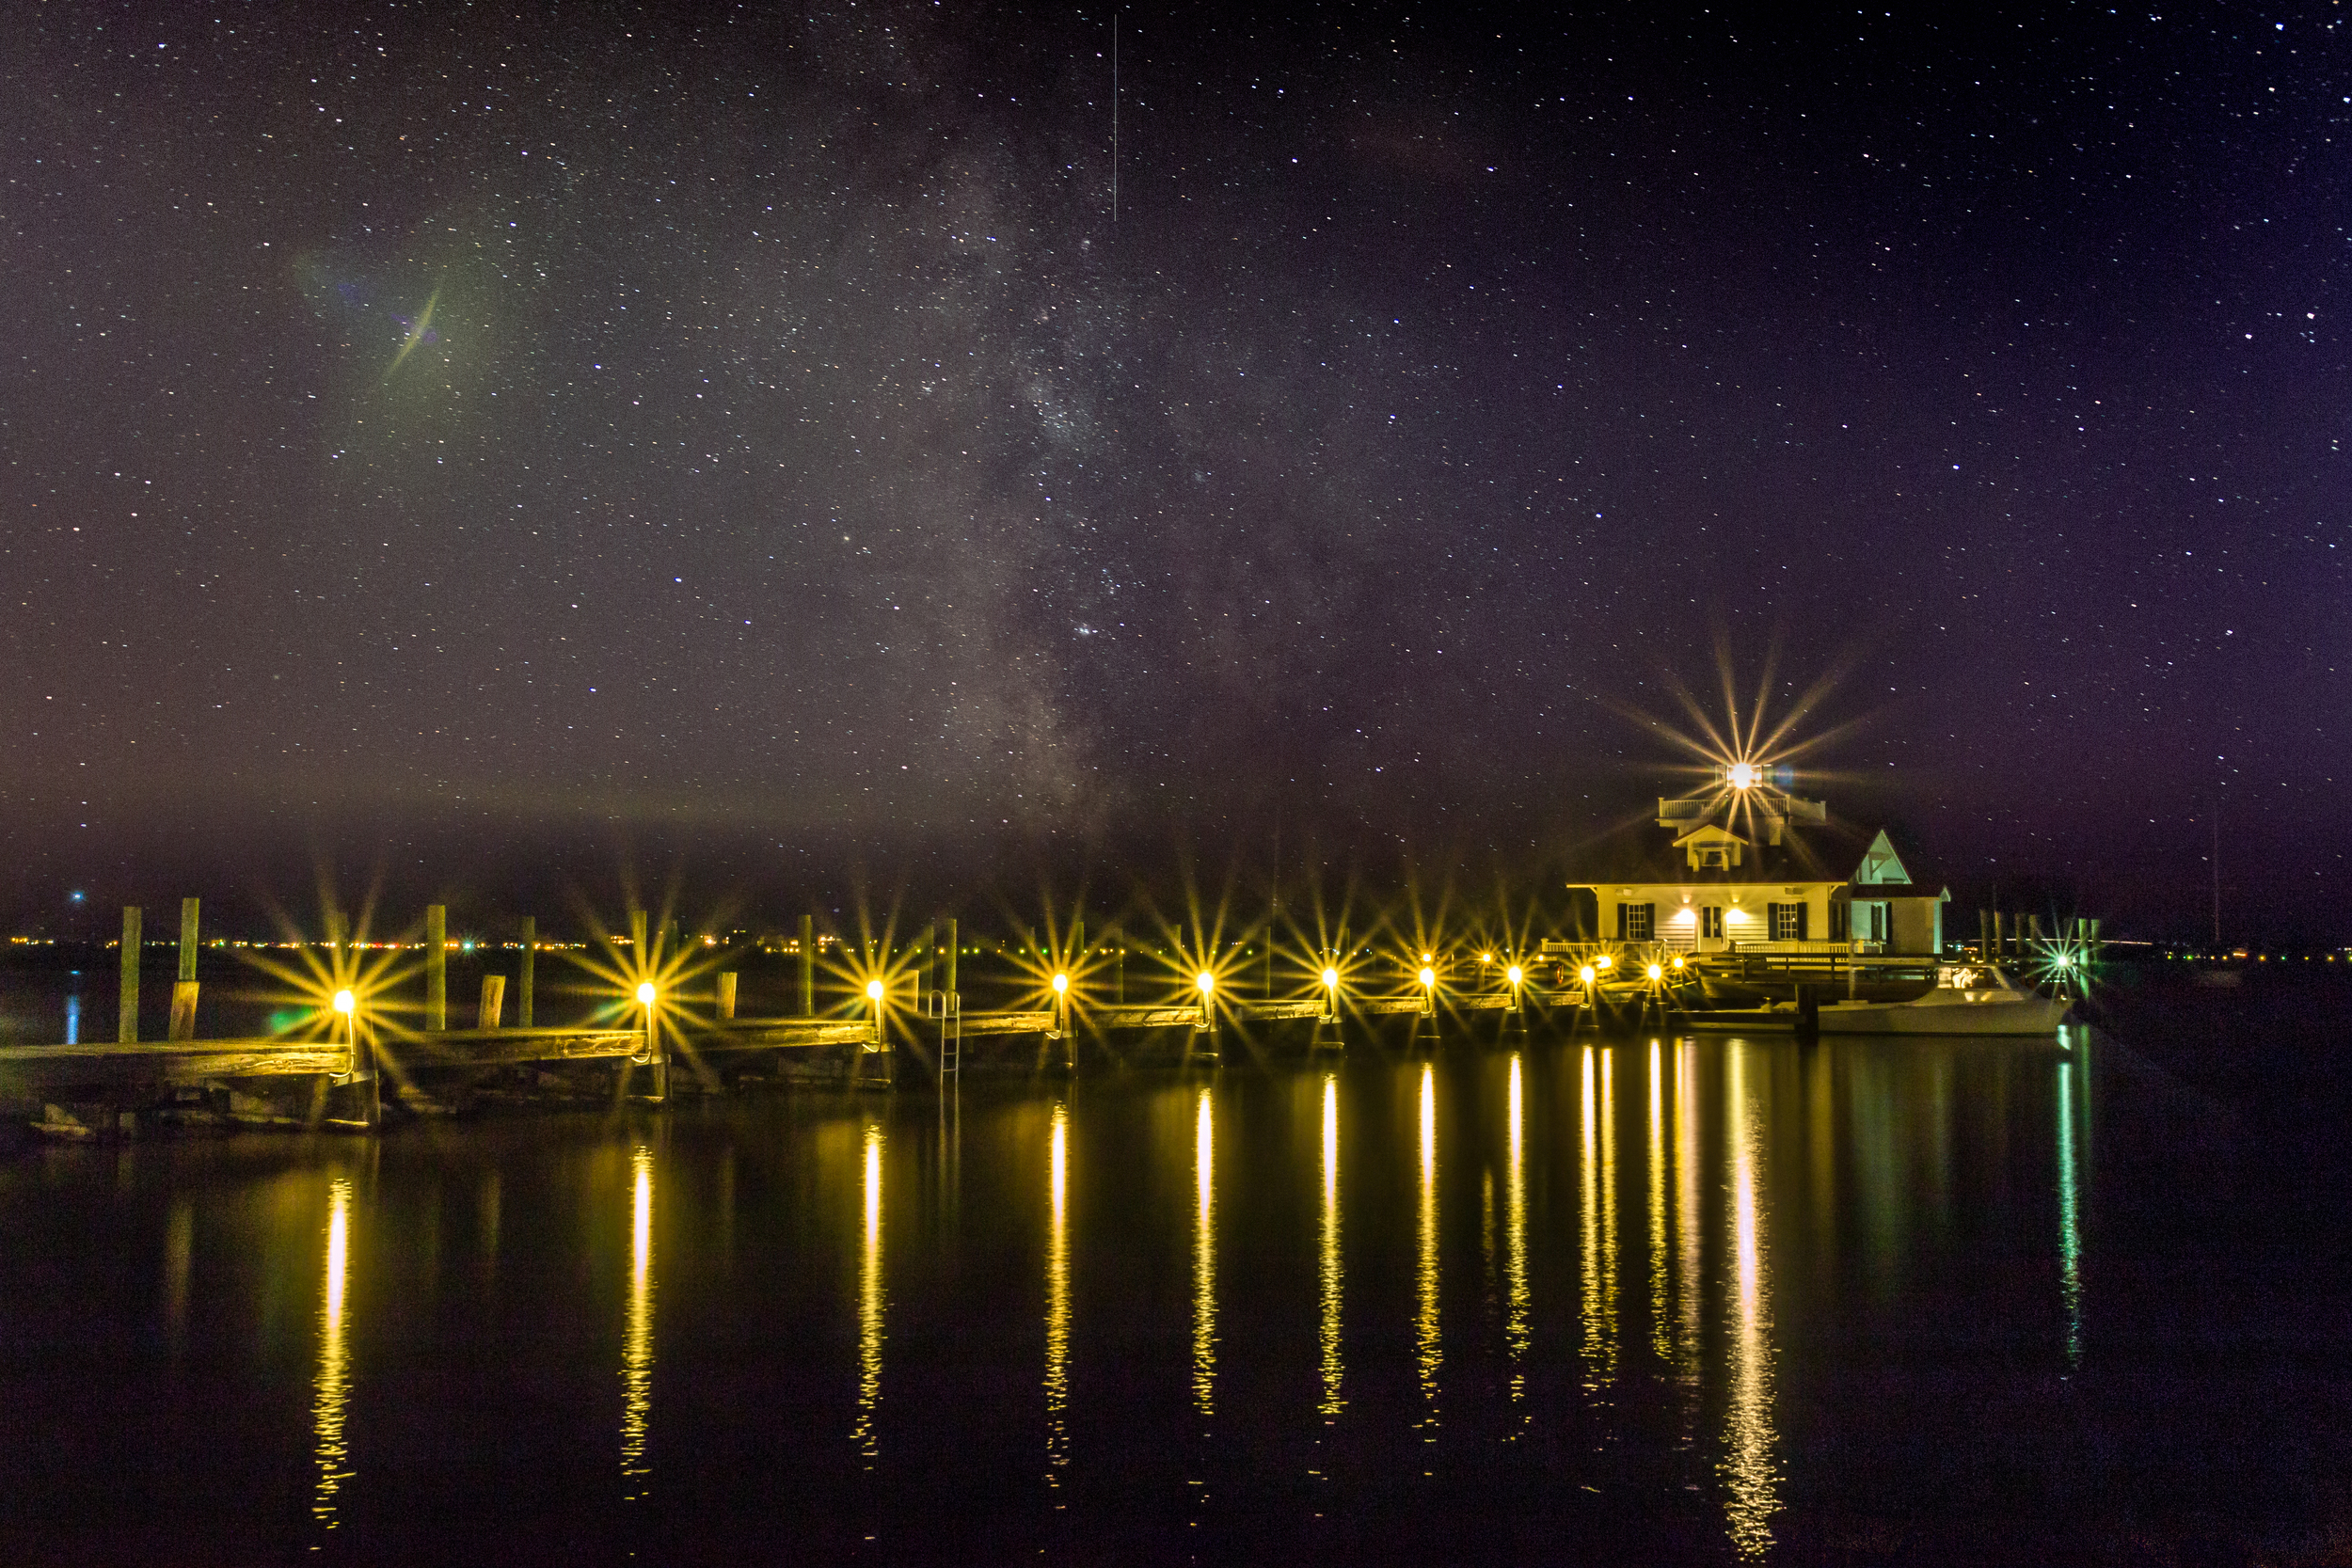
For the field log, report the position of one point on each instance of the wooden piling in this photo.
(528, 973)
(493, 1001)
(724, 1004)
(437, 966)
(127, 1006)
(183, 989)
(809, 966)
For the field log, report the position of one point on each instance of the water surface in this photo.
(1707, 1300)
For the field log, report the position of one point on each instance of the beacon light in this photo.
(1332, 979)
(1517, 974)
(1677, 960)
(1603, 962)
(1061, 983)
(1206, 981)
(344, 1002)
(873, 991)
(1485, 958)
(1585, 974)
(1657, 972)
(1742, 775)
(1428, 975)
(644, 994)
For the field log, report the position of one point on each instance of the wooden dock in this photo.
(909, 1029)
(101, 1089)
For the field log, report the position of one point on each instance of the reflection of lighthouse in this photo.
(1751, 1466)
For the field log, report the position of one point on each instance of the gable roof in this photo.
(1880, 863)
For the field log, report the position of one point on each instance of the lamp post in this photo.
(651, 1056)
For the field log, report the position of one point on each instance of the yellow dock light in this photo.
(1517, 974)
(345, 1001)
(1657, 972)
(1332, 979)
(874, 990)
(1585, 974)
(644, 994)
(1485, 958)
(1677, 960)
(1742, 775)
(1206, 981)
(1061, 983)
(1603, 962)
(1428, 975)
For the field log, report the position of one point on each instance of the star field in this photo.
(752, 429)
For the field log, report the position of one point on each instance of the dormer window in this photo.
(1711, 848)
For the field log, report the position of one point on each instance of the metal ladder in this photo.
(945, 1004)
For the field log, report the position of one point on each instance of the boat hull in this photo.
(2021, 1015)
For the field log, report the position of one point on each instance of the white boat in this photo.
(1968, 999)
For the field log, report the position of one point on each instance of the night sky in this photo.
(484, 444)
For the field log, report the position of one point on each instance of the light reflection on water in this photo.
(1515, 1294)
(1204, 1255)
(1327, 1261)
(869, 1300)
(637, 1335)
(1687, 1210)
(1425, 1346)
(1058, 1296)
(2069, 1216)
(1442, 1299)
(1660, 1320)
(331, 1392)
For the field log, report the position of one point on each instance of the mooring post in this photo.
(183, 989)
(950, 1009)
(725, 1006)
(809, 966)
(493, 1001)
(360, 1090)
(127, 1006)
(437, 966)
(528, 973)
(645, 993)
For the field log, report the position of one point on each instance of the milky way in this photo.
(756, 428)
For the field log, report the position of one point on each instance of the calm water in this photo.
(1680, 1299)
